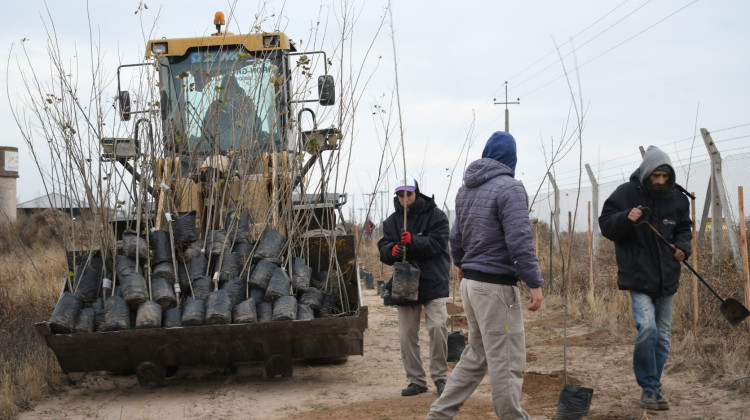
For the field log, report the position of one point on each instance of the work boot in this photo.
(440, 385)
(661, 402)
(648, 401)
(413, 389)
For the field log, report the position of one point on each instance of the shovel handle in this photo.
(690, 267)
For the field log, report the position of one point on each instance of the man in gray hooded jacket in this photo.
(493, 246)
(645, 266)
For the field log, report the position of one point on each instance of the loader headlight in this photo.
(271, 41)
(118, 148)
(325, 139)
(159, 48)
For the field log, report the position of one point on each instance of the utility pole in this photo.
(506, 103)
(383, 209)
(383, 205)
(370, 201)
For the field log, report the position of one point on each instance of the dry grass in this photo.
(32, 269)
(368, 256)
(40, 228)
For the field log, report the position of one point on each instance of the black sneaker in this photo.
(413, 389)
(648, 401)
(661, 402)
(440, 385)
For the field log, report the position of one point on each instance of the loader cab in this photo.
(229, 93)
(222, 99)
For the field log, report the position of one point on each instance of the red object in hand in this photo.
(406, 238)
(395, 250)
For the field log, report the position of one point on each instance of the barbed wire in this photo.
(697, 175)
(730, 128)
(563, 177)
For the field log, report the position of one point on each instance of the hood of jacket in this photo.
(501, 146)
(482, 170)
(653, 159)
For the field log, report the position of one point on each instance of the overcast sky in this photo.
(650, 72)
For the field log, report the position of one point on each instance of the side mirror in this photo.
(326, 90)
(124, 102)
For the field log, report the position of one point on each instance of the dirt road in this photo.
(368, 387)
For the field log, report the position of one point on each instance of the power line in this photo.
(607, 51)
(610, 49)
(566, 42)
(585, 43)
(484, 108)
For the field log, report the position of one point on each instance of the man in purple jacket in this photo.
(492, 245)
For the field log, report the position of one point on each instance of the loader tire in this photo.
(171, 371)
(149, 373)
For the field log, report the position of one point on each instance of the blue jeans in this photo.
(653, 319)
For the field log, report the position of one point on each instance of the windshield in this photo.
(218, 101)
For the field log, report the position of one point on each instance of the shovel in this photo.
(732, 310)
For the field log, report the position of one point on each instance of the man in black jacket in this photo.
(645, 266)
(425, 244)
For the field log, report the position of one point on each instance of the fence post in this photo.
(720, 199)
(595, 217)
(551, 240)
(717, 225)
(706, 206)
(743, 242)
(570, 251)
(556, 212)
(591, 257)
(696, 308)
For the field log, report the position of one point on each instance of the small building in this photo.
(57, 201)
(8, 180)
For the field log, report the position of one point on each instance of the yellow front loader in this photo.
(217, 138)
